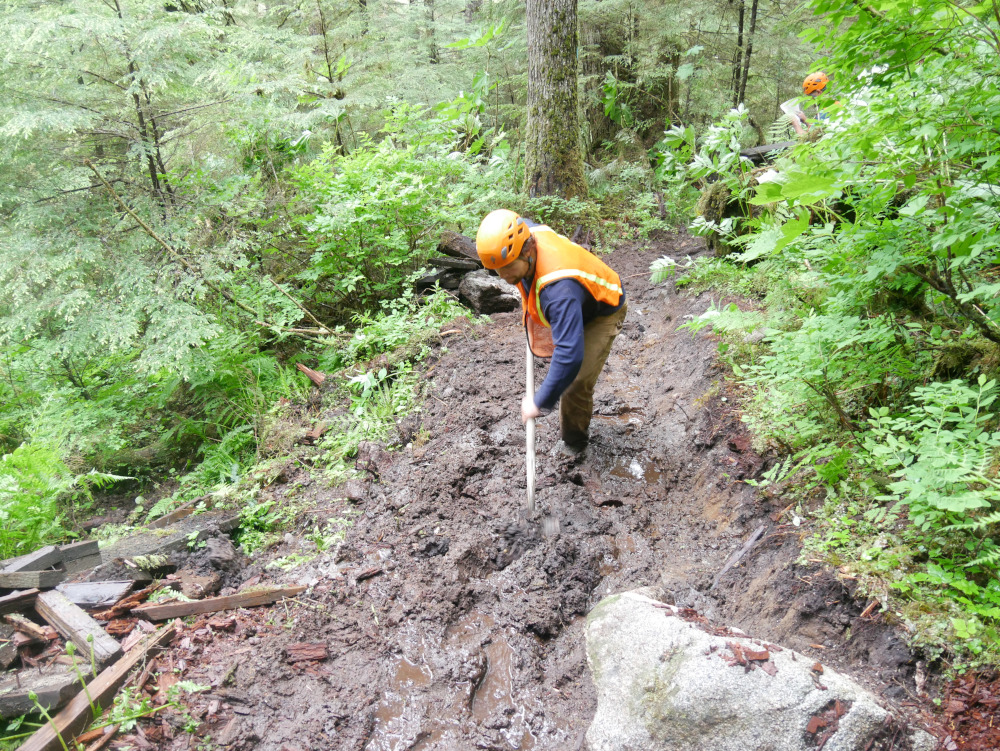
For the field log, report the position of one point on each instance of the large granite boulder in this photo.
(487, 293)
(669, 681)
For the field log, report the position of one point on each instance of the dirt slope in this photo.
(470, 635)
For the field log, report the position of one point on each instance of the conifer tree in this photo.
(553, 158)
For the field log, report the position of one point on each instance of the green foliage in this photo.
(372, 216)
(882, 311)
(37, 493)
(403, 324)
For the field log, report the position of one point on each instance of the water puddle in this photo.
(416, 713)
(634, 468)
(620, 545)
(494, 696)
(469, 630)
(493, 693)
(412, 674)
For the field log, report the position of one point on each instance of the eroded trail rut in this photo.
(470, 634)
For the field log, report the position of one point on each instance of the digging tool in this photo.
(530, 433)
(550, 524)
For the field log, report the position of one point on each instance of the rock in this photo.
(354, 491)
(198, 586)
(489, 294)
(664, 683)
(221, 552)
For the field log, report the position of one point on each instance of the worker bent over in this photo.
(572, 293)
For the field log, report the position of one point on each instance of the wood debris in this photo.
(101, 691)
(32, 629)
(749, 659)
(73, 622)
(313, 651)
(163, 611)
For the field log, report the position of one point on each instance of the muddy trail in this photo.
(452, 622)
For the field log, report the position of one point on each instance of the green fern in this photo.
(976, 525)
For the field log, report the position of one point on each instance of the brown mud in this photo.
(452, 622)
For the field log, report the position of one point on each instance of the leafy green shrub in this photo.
(402, 325)
(372, 217)
(37, 494)
(883, 229)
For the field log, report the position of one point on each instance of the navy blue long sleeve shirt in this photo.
(568, 307)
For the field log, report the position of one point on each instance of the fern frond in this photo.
(989, 559)
(977, 524)
(662, 270)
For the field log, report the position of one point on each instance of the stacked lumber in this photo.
(48, 566)
(109, 626)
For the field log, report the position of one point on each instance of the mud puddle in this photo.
(469, 633)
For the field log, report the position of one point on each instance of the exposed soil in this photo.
(452, 622)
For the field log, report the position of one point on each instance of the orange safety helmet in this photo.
(501, 236)
(815, 83)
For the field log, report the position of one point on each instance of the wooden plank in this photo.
(174, 516)
(95, 594)
(54, 688)
(18, 600)
(8, 650)
(163, 611)
(72, 622)
(735, 557)
(101, 691)
(77, 550)
(84, 564)
(30, 579)
(40, 560)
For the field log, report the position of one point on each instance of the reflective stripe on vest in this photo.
(568, 274)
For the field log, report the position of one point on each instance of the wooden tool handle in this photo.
(530, 430)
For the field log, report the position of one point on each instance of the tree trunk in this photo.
(738, 55)
(433, 49)
(553, 159)
(746, 57)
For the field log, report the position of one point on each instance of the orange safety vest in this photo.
(558, 258)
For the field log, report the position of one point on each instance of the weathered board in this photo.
(30, 579)
(54, 688)
(40, 560)
(101, 691)
(163, 611)
(72, 622)
(95, 594)
(18, 600)
(77, 550)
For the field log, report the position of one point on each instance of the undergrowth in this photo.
(857, 310)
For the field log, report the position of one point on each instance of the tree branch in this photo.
(173, 253)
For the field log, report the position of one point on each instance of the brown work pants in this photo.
(576, 406)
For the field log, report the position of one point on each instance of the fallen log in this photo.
(758, 154)
(313, 375)
(462, 264)
(101, 691)
(457, 246)
(72, 622)
(163, 611)
(174, 516)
